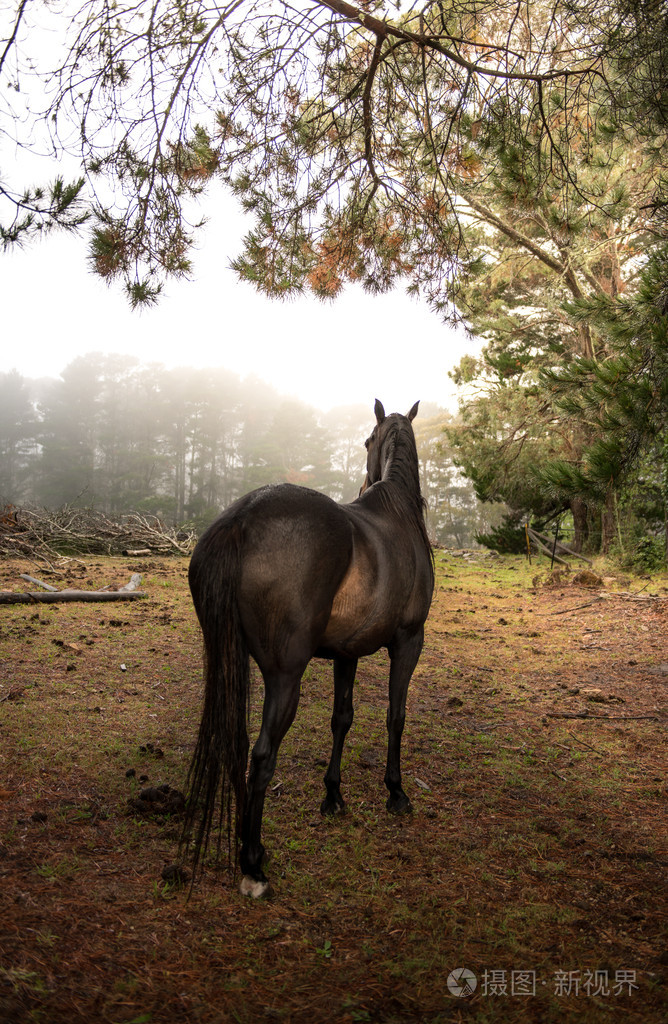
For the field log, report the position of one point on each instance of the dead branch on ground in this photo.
(601, 718)
(47, 534)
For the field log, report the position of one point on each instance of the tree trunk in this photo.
(608, 527)
(580, 523)
(180, 472)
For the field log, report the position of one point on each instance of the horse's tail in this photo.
(217, 774)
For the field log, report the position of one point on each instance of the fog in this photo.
(351, 350)
(121, 435)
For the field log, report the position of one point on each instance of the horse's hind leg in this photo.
(404, 654)
(342, 718)
(280, 705)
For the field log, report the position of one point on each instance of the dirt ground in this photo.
(527, 886)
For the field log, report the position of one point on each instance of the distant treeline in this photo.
(120, 435)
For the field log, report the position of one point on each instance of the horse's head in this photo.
(379, 444)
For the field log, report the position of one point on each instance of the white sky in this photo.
(352, 350)
(355, 349)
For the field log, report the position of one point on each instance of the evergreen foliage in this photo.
(625, 399)
(346, 131)
(562, 402)
(508, 538)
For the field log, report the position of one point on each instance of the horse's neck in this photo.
(401, 469)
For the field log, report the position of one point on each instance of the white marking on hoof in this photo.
(256, 890)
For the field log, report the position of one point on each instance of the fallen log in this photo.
(51, 597)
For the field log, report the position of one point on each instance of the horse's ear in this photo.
(413, 413)
(379, 411)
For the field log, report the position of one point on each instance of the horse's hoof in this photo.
(254, 888)
(401, 805)
(331, 808)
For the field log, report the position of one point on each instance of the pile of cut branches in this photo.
(45, 533)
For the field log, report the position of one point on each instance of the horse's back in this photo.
(294, 537)
(293, 546)
(311, 575)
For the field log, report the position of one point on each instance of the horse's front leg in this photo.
(342, 719)
(280, 705)
(404, 652)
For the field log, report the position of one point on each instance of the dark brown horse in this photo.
(285, 575)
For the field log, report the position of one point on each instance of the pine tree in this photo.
(625, 398)
(549, 258)
(344, 130)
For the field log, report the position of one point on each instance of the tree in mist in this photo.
(17, 435)
(454, 514)
(350, 426)
(67, 437)
(127, 439)
(259, 404)
(184, 443)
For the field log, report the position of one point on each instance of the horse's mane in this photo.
(399, 488)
